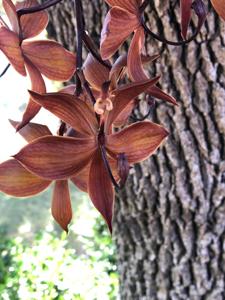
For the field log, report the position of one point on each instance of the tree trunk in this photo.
(169, 221)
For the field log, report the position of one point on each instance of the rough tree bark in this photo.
(169, 224)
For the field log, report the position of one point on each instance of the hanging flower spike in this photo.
(38, 57)
(17, 181)
(57, 158)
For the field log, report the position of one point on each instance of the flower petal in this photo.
(124, 95)
(70, 109)
(124, 115)
(135, 66)
(134, 61)
(219, 6)
(56, 158)
(51, 59)
(185, 7)
(81, 179)
(10, 10)
(32, 24)
(61, 204)
(118, 25)
(10, 46)
(100, 189)
(31, 131)
(16, 181)
(95, 73)
(37, 85)
(138, 141)
(130, 5)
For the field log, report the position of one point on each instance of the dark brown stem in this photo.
(34, 9)
(80, 31)
(93, 50)
(107, 166)
(199, 9)
(5, 70)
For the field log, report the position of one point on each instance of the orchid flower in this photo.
(17, 181)
(93, 149)
(35, 57)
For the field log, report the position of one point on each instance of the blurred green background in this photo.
(39, 261)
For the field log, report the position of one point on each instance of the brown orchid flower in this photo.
(93, 146)
(34, 56)
(17, 181)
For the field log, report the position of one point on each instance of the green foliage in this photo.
(49, 269)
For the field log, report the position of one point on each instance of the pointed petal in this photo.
(51, 59)
(100, 189)
(134, 60)
(61, 204)
(16, 181)
(159, 94)
(219, 6)
(31, 131)
(95, 73)
(185, 7)
(37, 85)
(130, 5)
(124, 95)
(9, 44)
(56, 158)
(135, 67)
(10, 10)
(69, 109)
(138, 141)
(118, 25)
(32, 24)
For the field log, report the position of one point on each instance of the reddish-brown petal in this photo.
(56, 158)
(134, 60)
(100, 189)
(124, 115)
(61, 204)
(138, 141)
(135, 67)
(81, 179)
(10, 10)
(124, 95)
(130, 5)
(70, 109)
(51, 59)
(159, 94)
(185, 7)
(37, 85)
(16, 181)
(219, 6)
(32, 24)
(117, 70)
(31, 131)
(118, 25)
(9, 44)
(69, 89)
(95, 73)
